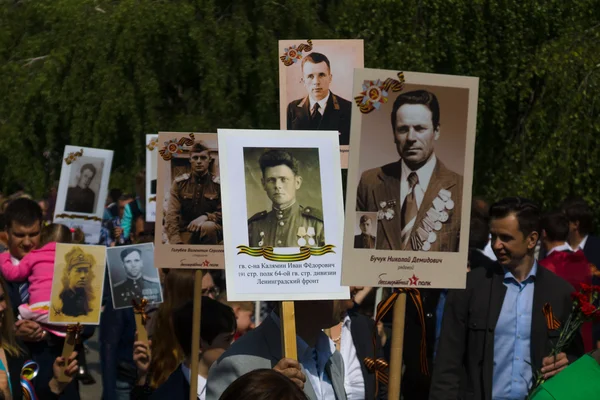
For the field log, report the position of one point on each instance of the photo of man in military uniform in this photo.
(136, 285)
(365, 240)
(194, 208)
(81, 198)
(77, 293)
(288, 224)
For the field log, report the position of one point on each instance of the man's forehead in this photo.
(16, 227)
(508, 224)
(278, 170)
(200, 154)
(413, 114)
(310, 67)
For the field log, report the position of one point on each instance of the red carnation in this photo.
(585, 287)
(587, 309)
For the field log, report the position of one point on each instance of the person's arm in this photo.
(55, 388)
(445, 382)
(173, 215)
(15, 273)
(126, 221)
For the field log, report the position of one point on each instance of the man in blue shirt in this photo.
(495, 330)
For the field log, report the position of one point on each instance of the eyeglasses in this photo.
(215, 291)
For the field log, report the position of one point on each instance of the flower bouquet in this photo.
(585, 309)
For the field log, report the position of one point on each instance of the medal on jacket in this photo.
(425, 235)
(311, 234)
(262, 237)
(301, 233)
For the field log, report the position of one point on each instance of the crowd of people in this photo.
(484, 342)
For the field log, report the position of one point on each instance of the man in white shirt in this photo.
(418, 200)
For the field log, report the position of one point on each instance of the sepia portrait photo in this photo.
(282, 214)
(365, 232)
(77, 284)
(132, 275)
(283, 197)
(315, 90)
(83, 189)
(188, 213)
(412, 164)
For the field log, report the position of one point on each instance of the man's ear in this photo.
(532, 240)
(262, 181)
(437, 132)
(298, 182)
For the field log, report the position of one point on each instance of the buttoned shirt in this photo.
(424, 173)
(354, 382)
(322, 103)
(512, 339)
(201, 381)
(563, 247)
(314, 360)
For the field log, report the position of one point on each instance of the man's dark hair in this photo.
(527, 213)
(364, 218)
(263, 384)
(556, 226)
(89, 167)
(273, 158)
(479, 233)
(316, 58)
(578, 210)
(423, 97)
(198, 147)
(115, 195)
(24, 212)
(216, 318)
(127, 252)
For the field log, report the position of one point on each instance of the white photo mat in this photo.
(151, 176)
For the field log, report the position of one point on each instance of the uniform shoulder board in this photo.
(120, 283)
(258, 216)
(182, 177)
(216, 179)
(151, 279)
(313, 212)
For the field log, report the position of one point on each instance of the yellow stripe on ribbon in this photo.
(83, 217)
(268, 254)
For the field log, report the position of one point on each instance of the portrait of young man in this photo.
(365, 240)
(77, 291)
(417, 198)
(81, 198)
(320, 109)
(140, 281)
(288, 223)
(194, 208)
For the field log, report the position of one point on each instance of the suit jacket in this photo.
(363, 242)
(592, 253)
(382, 184)
(335, 118)
(467, 339)
(361, 328)
(261, 348)
(176, 387)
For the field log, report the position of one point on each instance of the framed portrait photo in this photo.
(132, 275)
(409, 180)
(82, 190)
(189, 227)
(315, 86)
(151, 176)
(282, 214)
(77, 284)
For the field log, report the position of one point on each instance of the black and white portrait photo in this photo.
(367, 230)
(132, 275)
(284, 197)
(84, 185)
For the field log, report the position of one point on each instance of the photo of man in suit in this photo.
(495, 333)
(417, 199)
(321, 109)
(365, 240)
(81, 198)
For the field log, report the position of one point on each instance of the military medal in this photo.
(262, 236)
(444, 194)
(301, 233)
(450, 204)
(438, 204)
(311, 233)
(444, 216)
(426, 246)
(432, 237)
(301, 242)
(437, 226)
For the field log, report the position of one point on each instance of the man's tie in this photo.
(315, 117)
(409, 208)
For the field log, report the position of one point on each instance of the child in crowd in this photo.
(244, 311)
(37, 267)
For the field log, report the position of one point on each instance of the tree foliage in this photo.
(104, 73)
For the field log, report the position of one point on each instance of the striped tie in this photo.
(24, 292)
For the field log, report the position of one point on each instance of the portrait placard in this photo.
(77, 284)
(82, 190)
(132, 275)
(409, 181)
(151, 176)
(189, 230)
(315, 86)
(282, 214)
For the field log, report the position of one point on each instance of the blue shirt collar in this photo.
(531, 277)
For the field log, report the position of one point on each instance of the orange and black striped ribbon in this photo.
(382, 309)
(551, 321)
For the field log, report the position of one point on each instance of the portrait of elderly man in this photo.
(321, 109)
(136, 285)
(288, 224)
(365, 240)
(77, 293)
(81, 198)
(194, 208)
(418, 199)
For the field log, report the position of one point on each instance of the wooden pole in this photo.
(288, 330)
(396, 348)
(195, 335)
(68, 348)
(257, 313)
